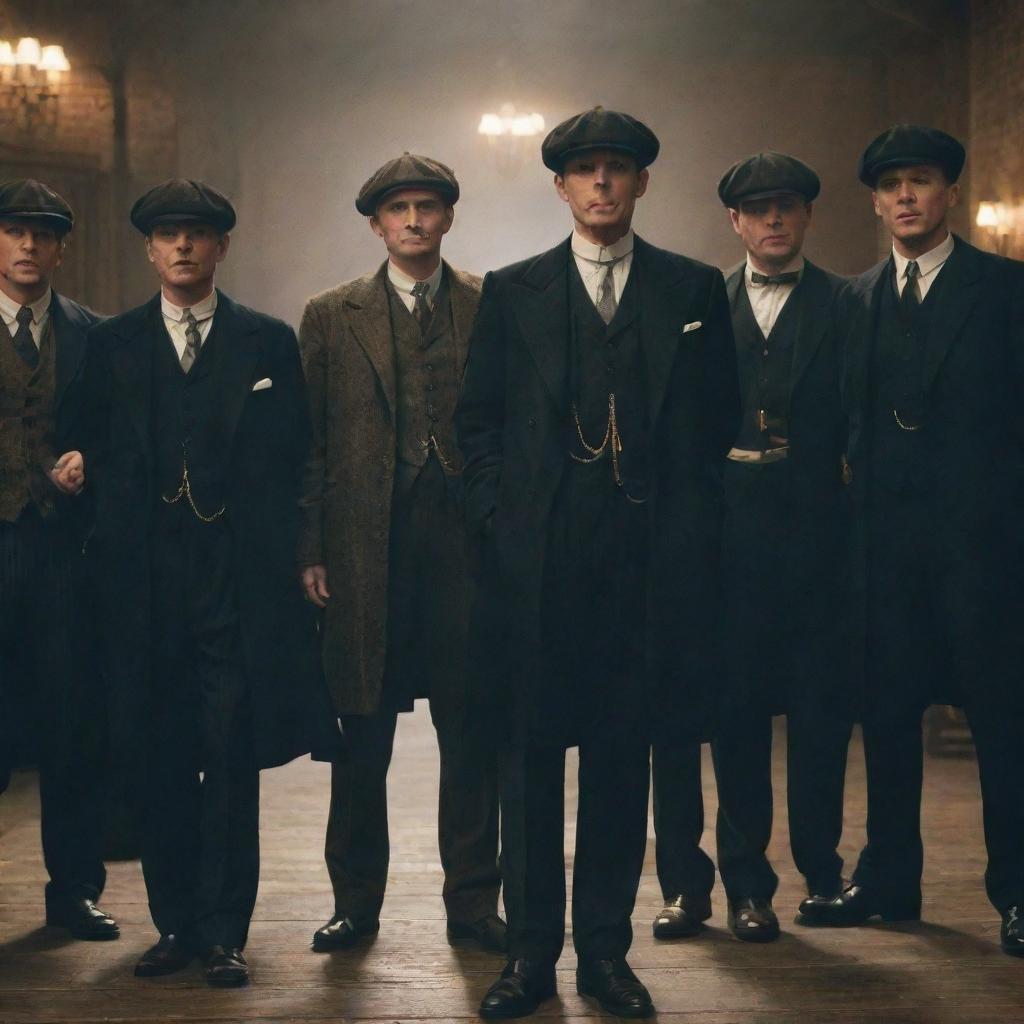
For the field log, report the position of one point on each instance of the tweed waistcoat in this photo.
(26, 426)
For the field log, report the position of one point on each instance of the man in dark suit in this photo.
(600, 399)
(198, 431)
(384, 552)
(783, 557)
(45, 652)
(936, 450)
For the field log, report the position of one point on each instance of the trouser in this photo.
(46, 667)
(611, 837)
(358, 847)
(200, 854)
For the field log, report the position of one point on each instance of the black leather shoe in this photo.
(226, 967)
(342, 932)
(682, 917)
(855, 905)
(619, 991)
(1011, 932)
(752, 919)
(169, 955)
(818, 896)
(490, 933)
(523, 985)
(83, 919)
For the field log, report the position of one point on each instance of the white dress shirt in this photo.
(928, 266)
(592, 261)
(174, 319)
(40, 314)
(402, 283)
(767, 300)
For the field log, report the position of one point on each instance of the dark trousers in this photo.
(200, 852)
(611, 837)
(358, 847)
(925, 622)
(46, 667)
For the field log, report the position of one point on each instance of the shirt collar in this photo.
(927, 263)
(202, 310)
(602, 253)
(402, 282)
(795, 264)
(9, 307)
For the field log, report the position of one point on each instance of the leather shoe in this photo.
(523, 985)
(818, 896)
(225, 966)
(489, 933)
(341, 932)
(169, 955)
(855, 905)
(682, 917)
(752, 919)
(83, 919)
(1011, 931)
(619, 991)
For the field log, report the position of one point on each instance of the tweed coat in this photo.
(348, 355)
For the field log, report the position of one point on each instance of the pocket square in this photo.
(262, 385)
(692, 326)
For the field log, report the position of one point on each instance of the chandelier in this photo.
(30, 79)
(509, 135)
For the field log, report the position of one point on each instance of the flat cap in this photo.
(599, 129)
(768, 174)
(904, 145)
(181, 199)
(31, 199)
(407, 171)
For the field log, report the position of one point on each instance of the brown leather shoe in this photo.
(226, 967)
(490, 933)
(168, 956)
(682, 917)
(83, 919)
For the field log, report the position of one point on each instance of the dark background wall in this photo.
(289, 107)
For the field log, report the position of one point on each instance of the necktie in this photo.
(422, 308)
(192, 340)
(790, 277)
(24, 343)
(909, 300)
(606, 301)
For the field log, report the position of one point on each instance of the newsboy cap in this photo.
(181, 199)
(599, 129)
(904, 145)
(407, 171)
(32, 200)
(768, 174)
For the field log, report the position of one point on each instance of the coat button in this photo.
(531, 423)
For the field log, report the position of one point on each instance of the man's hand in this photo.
(68, 473)
(314, 583)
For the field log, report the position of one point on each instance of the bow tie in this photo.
(788, 278)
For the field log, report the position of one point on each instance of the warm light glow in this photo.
(53, 59)
(987, 216)
(28, 51)
(7, 59)
(509, 122)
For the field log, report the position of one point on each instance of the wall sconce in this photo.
(30, 80)
(508, 135)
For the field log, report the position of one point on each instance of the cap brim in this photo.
(57, 219)
(902, 161)
(770, 194)
(616, 147)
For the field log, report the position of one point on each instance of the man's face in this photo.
(30, 252)
(773, 228)
(601, 188)
(913, 203)
(412, 222)
(185, 254)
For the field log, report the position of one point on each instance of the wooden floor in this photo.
(946, 970)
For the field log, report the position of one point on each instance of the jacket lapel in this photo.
(131, 360)
(815, 298)
(69, 327)
(370, 321)
(464, 300)
(540, 303)
(237, 335)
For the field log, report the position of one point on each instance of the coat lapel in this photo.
(464, 299)
(370, 321)
(237, 334)
(540, 302)
(130, 351)
(69, 327)
(815, 298)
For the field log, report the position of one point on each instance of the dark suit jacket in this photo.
(971, 470)
(815, 559)
(269, 436)
(349, 359)
(512, 422)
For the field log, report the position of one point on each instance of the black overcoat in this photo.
(512, 422)
(972, 461)
(807, 566)
(268, 432)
